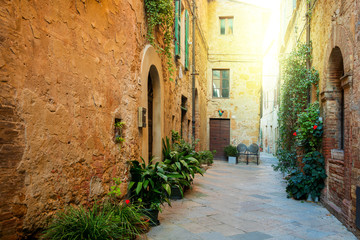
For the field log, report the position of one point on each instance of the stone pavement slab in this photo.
(246, 202)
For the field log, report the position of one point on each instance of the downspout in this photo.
(308, 63)
(193, 71)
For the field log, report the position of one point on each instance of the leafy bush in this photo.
(230, 151)
(183, 163)
(107, 222)
(205, 157)
(132, 219)
(310, 128)
(150, 183)
(310, 181)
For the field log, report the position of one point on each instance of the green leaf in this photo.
(146, 183)
(178, 165)
(162, 176)
(130, 185)
(167, 188)
(138, 188)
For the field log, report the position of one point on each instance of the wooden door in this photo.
(219, 136)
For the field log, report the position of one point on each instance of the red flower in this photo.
(127, 201)
(315, 127)
(294, 133)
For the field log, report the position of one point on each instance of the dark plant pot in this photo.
(175, 193)
(152, 214)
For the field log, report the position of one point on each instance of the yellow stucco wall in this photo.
(241, 53)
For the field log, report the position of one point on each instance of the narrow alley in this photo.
(245, 202)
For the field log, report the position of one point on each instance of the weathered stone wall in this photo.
(68, 69)
(335, 40)
(241, 54)
(334, 25)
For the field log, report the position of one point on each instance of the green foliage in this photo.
(118, 132)
(300, 127)
(205, 157)
(310, 181)
(180, 160)
(310, 128)
(297, 82)
(150, 183)
(175, 136)
(119, 124)
(230, 151)
(131, 218)
(115, 190)
(106, 222)
(160, 14)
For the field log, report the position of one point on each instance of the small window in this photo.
(226, 25)
(221, 86)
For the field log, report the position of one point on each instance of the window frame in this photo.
(221, 82)
(226, 25)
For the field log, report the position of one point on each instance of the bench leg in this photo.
(257, 161)
(247, 159)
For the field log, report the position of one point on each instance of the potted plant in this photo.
(231, 153)
(150, 186)
(182, 166)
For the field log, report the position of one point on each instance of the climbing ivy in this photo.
(297, 82)
(300, 127)
(160, 16)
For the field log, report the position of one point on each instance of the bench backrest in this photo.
(241, 148)
(253, 148)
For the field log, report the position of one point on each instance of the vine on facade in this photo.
(160, 15)
(300, 127)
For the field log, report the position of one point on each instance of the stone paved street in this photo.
(245, 202)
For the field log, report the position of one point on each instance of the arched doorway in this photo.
(154, 113)
(334, 112)
(150, 80)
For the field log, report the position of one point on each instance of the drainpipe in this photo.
(308, 63)
(193, 70)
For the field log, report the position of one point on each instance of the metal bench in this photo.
(252, 150)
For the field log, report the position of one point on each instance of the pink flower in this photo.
(294, 133)
(127, 201)
(315, 127)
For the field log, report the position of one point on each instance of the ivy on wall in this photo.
(300, 127)
(160, 16)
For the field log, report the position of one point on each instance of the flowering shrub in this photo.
(310, 128)
(308, 178)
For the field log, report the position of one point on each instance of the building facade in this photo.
(234, 72)
(335, 35)
(270, 85)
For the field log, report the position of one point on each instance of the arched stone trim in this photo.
(151, 64)
(341, 38)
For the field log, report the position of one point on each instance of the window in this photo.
(226, 25)
(221, 80)
(186, 40)
(177, 27)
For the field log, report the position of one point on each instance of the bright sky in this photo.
(264, 3)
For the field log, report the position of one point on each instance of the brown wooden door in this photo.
(219, 136)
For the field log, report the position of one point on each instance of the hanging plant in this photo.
(160, 14)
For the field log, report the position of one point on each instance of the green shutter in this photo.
(177, 27)
(186, 40)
